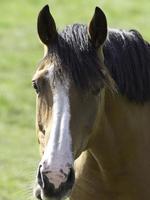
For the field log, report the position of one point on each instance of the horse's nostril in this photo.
(47, 183)
(40, 178)
(71, 176)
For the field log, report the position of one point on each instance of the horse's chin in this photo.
(39, 194)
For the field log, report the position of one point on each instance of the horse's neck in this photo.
(89, 179)
(121, 148)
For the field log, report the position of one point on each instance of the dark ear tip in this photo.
(45, 8)
(98, 11)
(44, 12)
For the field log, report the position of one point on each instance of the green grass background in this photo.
(20, 51)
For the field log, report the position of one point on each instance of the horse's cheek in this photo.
(41, 140)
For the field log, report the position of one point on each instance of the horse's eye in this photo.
(35, 86)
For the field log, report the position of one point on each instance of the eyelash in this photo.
(35, 86)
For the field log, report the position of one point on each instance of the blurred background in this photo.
(20, 51)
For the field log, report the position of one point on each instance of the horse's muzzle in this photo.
(47, 190)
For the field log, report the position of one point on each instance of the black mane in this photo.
(127, 56)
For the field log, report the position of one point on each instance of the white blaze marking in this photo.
(58, 152)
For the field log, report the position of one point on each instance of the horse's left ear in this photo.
(98, 28)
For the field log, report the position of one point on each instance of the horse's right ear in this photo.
(98, 28)
(46, 26)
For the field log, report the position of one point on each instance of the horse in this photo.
(93, 111)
